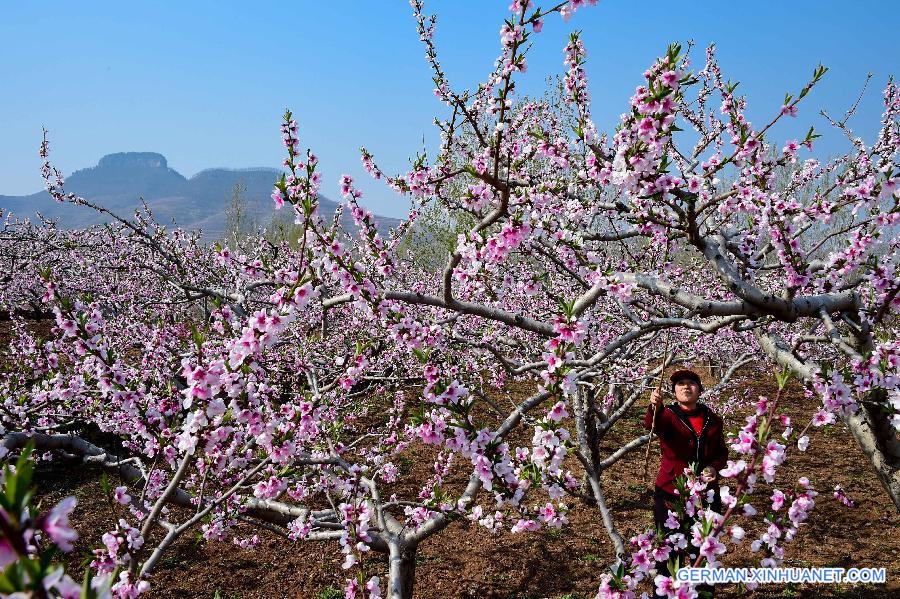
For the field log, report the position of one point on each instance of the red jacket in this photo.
(680, 445)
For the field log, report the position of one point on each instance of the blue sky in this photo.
(205, 83)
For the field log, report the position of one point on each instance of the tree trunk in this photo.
(870, 426)
(589, 444)
(401, 570)
(586, 431)
(875, 435)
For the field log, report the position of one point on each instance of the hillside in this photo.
(119, 181)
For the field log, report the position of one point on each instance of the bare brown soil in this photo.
(466, 561)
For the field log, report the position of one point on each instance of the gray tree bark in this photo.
(401, 569)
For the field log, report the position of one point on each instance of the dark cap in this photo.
(685, 374)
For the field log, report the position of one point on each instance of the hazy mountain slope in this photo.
(119, 181)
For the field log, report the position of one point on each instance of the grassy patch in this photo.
(330, 592)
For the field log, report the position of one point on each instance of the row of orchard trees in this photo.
(279, 384)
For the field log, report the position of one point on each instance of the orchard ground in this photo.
(467, 561)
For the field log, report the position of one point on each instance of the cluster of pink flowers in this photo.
(700, 535)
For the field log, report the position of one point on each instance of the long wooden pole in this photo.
(662, 370)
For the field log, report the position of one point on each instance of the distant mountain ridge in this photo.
(121, 180)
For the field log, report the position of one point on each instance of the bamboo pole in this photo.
(662, 370)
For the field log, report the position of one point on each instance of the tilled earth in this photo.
(467, 561)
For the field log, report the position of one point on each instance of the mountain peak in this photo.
(133, 160)
(121, 181)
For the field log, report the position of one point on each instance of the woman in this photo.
(689, 433)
